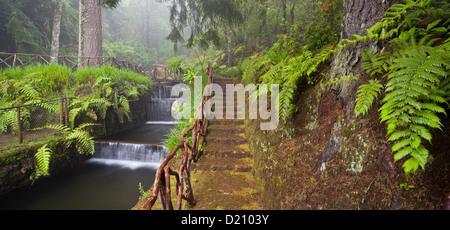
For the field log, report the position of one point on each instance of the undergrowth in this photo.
(100, 97)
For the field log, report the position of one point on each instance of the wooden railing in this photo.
(63, 114)
(189, 153)
(13, 60)
(161, 74)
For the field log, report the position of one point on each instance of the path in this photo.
(223, 177)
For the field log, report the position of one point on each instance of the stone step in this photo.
(236, 168)
(226, 122)
(225, 129)
(226, 153)
(213, 163)
(224, 140)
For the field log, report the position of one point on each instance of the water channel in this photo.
(110, 179)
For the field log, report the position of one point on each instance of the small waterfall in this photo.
(119, 151)
(160, 104)
(129, 154)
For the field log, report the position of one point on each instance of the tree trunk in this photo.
(90, 33)
(285, 19)
(230, 31)
(263, 22)
(292, 12)
(359, 15)
(56, 32)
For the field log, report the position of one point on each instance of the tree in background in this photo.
(90, 30)
(203, 19)
(136, 31)
(26, 26)
(56, 31)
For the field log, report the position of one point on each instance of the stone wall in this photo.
(16, 166)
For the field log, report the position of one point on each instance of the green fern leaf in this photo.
(367, 93)
(42, 157)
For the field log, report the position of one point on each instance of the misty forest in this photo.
(131, 98)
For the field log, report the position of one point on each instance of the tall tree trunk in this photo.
(263, 23)
(359, 15)
(90, 33)
(285, 19)
(230, 31)
(56, 32)
(292, 11)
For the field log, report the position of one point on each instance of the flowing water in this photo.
(160, 104)
(110, 179)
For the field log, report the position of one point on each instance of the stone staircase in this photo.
(223, 176)
(226, 145)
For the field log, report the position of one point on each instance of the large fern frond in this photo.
(374, 62)
(413, 99)
(83, 141)
(367, 93)
(42, 157)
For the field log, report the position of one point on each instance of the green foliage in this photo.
(407, 187)
(176, 66)
(288, 73)
(413, 99)
(26, 26)
(416, 70)
(326, 25)
(42, 157)
(103, 92)
(87, 109)
(367, 93)
(79, 136)
(143, 194)
(35, 82)
(401, 17)
(374, 62)
(172, 139)
(203, 17)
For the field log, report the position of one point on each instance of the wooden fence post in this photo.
(66, 111)
(61, 107)
(169, 205)
(19, 126)
(14, 61)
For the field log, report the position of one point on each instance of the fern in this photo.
(400, 17)
(413, 99)
(83, 141)
(80, 137)
(29, 92)
(42, 157)
(374, 62)
(416, 71)
(367, 93)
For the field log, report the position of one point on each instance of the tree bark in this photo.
(229, 47)
(285, 19)
(292, 12)
(359, 15)
(56, 32)
(90, 33)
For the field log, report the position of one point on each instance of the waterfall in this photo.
(131, 155)
(160, 104)
(120, 150)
